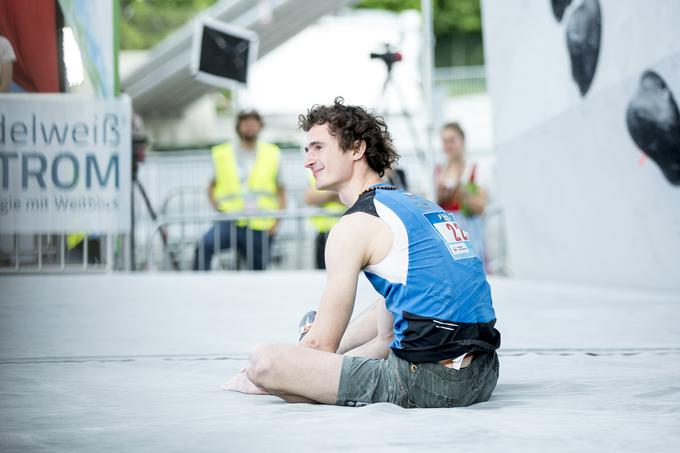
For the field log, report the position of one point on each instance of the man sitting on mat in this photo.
(430, 341)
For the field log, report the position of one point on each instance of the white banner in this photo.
(65, 164)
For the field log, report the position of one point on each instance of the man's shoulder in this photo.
(355, 228)
(364, 205)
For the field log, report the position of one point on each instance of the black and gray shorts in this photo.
(431, 384)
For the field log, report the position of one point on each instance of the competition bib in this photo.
(451, 233)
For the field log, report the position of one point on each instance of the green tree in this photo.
(457, 24)
(389, 5)
(457, 27)
(449, 16)
(144, 23)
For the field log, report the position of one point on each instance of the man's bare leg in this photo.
(241, 383)
(296, 374)
(362, 330)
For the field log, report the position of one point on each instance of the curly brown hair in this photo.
(352, 124)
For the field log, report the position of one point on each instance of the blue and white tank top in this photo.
(433, 284)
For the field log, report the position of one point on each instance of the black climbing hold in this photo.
(583, 43)
(558, 7)
(654, 124)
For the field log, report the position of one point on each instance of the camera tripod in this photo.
(390, 58)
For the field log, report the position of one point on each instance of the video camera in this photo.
(388, 57)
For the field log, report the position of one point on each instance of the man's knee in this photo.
(262, 364)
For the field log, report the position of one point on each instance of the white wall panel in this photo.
(582, 203)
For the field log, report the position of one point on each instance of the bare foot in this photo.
(241, 383)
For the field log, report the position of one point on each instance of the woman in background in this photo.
(457, 188)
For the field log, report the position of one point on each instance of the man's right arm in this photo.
(347, 252)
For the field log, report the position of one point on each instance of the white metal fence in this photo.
(172, 213)
(47, 253)
(177, 188)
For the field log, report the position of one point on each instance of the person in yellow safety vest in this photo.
(75, 248)
(247, 179)
(323, 224)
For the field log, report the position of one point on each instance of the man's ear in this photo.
(358, 149)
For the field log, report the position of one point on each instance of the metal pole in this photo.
(300, 236)
(428, 64)
(62, 252)
(127, 260)
(233, 241)
(250, 258)
(17, 244)
(40, 252)
(86, 252)
(109, 252)
(131, 250)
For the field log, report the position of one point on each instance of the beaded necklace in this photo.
(372, 188)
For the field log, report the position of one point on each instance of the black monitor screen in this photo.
(224, 55)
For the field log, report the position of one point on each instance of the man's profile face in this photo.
(249, 129)
(330, 165)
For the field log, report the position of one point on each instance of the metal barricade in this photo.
(291, 249)
(177, 188)
(49, 253)
(176, 183)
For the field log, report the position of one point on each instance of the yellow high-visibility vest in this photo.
(323, 223)
(73, 239)
(228, 192)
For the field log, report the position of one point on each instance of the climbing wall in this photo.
(587, 134)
